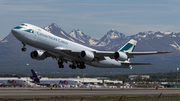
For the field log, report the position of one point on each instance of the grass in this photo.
(99, 98)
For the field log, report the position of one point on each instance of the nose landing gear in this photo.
(24, 48)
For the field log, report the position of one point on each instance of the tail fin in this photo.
(129, 46)
(34, 76)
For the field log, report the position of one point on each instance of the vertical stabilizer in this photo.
(129, 46)
(34, 76)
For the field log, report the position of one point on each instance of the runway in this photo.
(47, 92)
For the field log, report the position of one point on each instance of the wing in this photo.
(129, 54)
(100, 55)
(110, 54)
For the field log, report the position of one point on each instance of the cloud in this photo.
(99, 4)
(84, 4)
(117, 12)
(48, 7)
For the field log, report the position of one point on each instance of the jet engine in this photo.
(87, 55)
(120, 56)
(38, 55)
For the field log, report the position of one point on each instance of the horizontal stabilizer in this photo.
(131, 54)
(128, 63)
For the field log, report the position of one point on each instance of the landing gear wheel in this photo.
(61, 66)
(23, 49)
(81, 66)
(72, 66)
(60, 63)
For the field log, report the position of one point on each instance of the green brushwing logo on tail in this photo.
(127, 47)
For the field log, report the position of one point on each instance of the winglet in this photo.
(129, 46)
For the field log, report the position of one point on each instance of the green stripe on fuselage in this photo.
(29, 30)
(18, 27)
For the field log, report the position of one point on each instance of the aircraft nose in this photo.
(14, 31)
(17, 33)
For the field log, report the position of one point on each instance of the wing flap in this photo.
(68, 51)
(128, 63)
(101, 54)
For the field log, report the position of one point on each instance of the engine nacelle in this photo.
(38, 55)
(120, 56)
(87, 55)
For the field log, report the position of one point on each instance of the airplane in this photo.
(64, 50)
(52, 82)
(12, 82)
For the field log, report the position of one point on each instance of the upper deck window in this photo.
(23, 24)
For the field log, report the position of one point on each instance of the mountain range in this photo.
(13, 60)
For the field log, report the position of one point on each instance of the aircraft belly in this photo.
(64, 56)
(108, 63)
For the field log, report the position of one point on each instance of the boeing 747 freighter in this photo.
(67, 51)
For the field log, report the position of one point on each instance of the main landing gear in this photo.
(60, 63)
(79, 65)
(74, 65)
(24, 48)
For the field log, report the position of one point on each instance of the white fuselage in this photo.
(58, 82)
(39, 38)
(12, 82)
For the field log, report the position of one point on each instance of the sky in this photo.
(93, 17)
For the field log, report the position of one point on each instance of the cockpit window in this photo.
(23, 24)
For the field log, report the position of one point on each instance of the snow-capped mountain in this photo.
(56, 30)
(155, 34)
(175, 45)
(157, 40)
(76, 33)
(109, 37)
(10, 38)
(85, 39)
